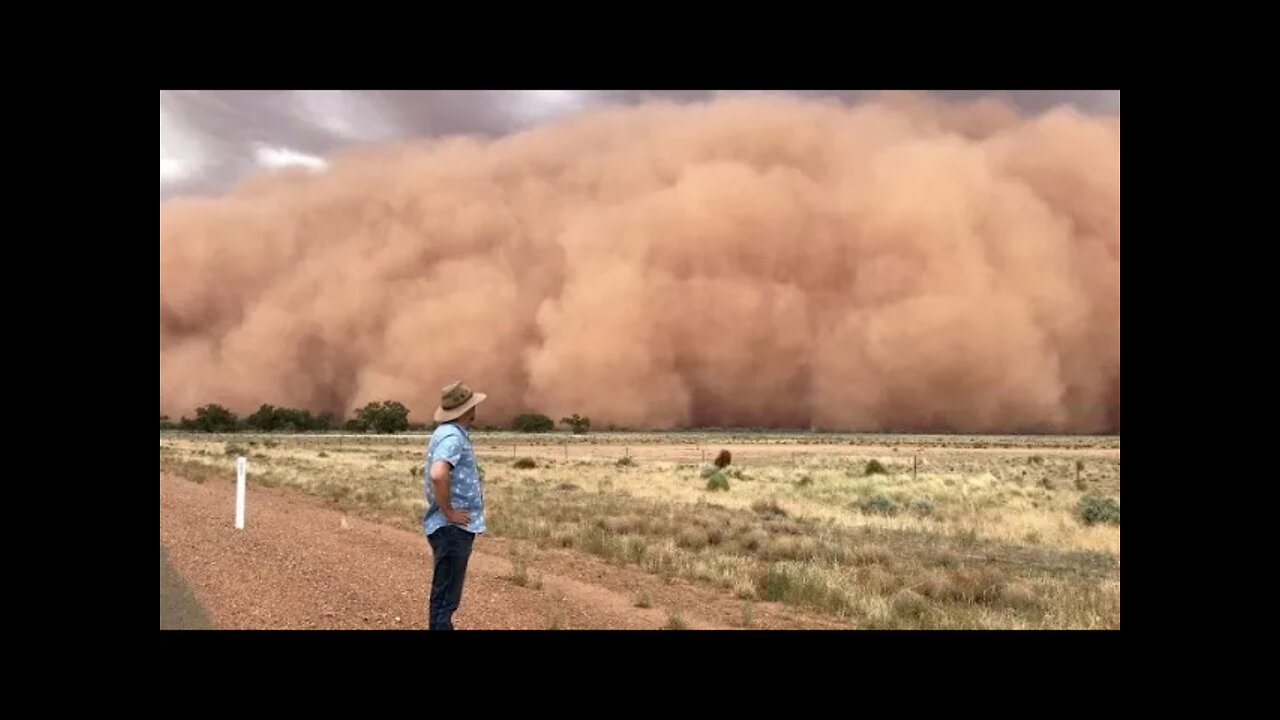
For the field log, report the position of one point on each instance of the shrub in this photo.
(384, 417)
(717, 481)
(723, 459)
(626, 461)
(525, 463)
(875, 467)
(214, 418)
(579, 425)
(532, 423)
(878, 504)
(1093, 510)
(768, 508)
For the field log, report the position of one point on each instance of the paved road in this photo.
(179, 609)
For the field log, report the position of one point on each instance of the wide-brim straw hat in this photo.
(456, 400)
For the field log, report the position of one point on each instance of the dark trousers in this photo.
(451, 546)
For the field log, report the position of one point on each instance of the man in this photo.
(455, 500)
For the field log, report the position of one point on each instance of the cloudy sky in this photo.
(210, 139)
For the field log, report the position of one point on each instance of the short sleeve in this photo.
(449, 450)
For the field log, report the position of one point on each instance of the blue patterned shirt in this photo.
(452, 444)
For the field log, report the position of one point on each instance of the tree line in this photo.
(387, 416)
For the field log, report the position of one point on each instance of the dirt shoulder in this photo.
(302, 564)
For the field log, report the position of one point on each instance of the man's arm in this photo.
(440, 484)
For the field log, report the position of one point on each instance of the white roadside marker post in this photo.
(240, 473)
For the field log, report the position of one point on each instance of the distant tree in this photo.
(388, 416)
(265, 419)
(295, 420)
(269, 418)
(579, 425)
(533, 423)
(215, 418)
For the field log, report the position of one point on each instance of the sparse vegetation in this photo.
(878, 504)
(626, 461)
(675, 622)
(520, 574)
(644, 601)
(922, 506)
(768, 508)
(525, 463)
(1094, 510)
(992, 553)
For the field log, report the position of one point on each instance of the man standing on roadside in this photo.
(455, 501)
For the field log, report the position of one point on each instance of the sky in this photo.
(212, 139)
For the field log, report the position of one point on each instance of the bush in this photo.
(768, 508)
(532, 423)
(878, 504)
(723, 459)
(693, 539)
(875, 467)
(626, 461)
(269, 418)
(525, 463)
(384, 417)
(579, 425)
(520, 574)
(922, 506)
(263, 420)
(804, 481)
(214, 418)
(717, 481)
(1093, 510)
